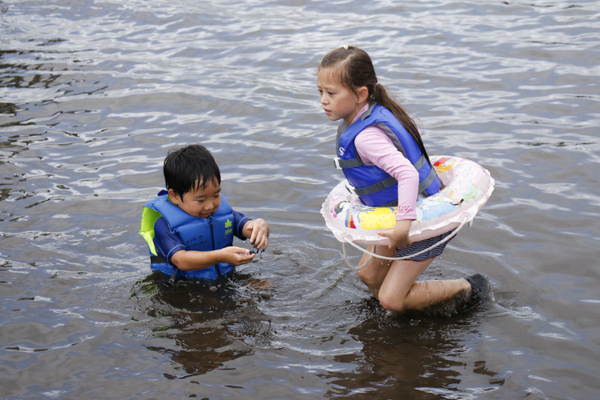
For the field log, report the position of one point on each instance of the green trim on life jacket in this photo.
(149, 218)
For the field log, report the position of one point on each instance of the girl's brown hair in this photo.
(353, 68)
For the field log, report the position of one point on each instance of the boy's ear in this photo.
(362, 94)
(175, 198)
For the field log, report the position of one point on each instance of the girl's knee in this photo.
(366, 276)
(374, 273)
(391, 302)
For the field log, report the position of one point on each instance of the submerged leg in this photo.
(375, 272)
(400, 291)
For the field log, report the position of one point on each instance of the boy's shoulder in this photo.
(161, 225)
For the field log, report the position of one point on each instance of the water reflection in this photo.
(413, 355)
(94, 93)
(205, 324)
(8, 108)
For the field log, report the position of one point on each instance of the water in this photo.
(94, 93)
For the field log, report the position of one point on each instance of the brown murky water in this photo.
(92, 95)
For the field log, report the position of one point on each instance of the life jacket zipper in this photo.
(212, 237)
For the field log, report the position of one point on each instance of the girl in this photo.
(383, 157)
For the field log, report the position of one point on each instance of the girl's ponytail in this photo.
(381, 96)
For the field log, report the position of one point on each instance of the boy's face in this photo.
(199, 202)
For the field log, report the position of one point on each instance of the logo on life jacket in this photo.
(341, 151)
(228, 227)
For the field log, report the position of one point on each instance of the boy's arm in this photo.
(172, 248)
(188, 260)
(258, 231)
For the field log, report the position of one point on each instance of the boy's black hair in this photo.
(190, 168)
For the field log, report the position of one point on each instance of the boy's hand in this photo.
(236, 255)
(257, 230)
(398, 235)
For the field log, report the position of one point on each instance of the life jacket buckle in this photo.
(336, 163)
(351, 189)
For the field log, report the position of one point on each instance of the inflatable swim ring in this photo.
(467, 187)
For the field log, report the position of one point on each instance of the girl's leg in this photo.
(399, 290)
(375, 272)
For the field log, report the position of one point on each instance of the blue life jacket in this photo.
(374, 186)
(202, 234)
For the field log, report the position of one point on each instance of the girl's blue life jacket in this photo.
(374, 186)
(203, 234)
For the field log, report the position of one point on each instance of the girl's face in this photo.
(338, 102)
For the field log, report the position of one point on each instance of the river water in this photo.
(93, 93)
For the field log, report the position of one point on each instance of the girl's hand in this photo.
(398, 235)
(235, 255)
(257, 230)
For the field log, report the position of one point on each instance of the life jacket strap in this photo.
(390, 204)
(352, 163)
(384, 184)
(420, 162)
(158, 260)
(428, 180)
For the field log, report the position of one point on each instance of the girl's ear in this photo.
(362, 94)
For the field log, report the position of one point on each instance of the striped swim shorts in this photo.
(416, 247)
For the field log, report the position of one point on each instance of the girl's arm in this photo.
(398, 235)
(374, 146)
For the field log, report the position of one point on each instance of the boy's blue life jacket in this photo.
(374, 186)
(202, 234)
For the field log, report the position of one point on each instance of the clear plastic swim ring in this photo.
(467, 187)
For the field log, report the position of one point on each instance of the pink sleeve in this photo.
(374, 146)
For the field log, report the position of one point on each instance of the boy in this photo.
(190, 227)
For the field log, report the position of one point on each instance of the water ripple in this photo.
(94, 93)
